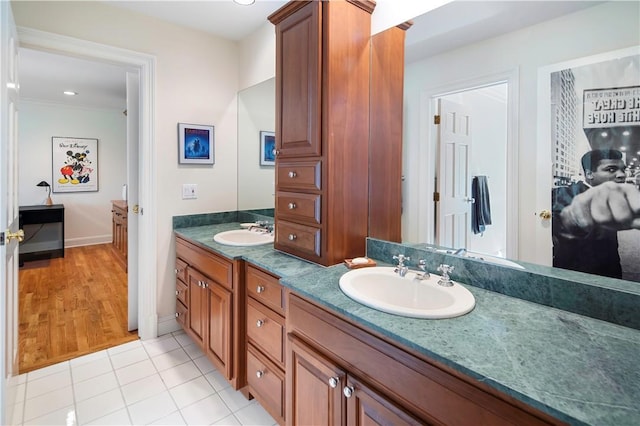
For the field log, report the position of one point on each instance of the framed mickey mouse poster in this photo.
(74, 164)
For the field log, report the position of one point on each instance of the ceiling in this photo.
(103, 85)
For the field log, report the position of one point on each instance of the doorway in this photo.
(72, 306)
(144, 65)
(484, 157)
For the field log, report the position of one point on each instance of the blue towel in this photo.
(481, 209)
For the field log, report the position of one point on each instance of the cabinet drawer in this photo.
(266, 330)
(182, 292)
(298, 206)
(182, 314)
(265, 288)
(209, 264)
(181, 270)
(302, 238)
(267, 382)
(299, 175)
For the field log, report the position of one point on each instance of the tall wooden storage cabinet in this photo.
(322, 128)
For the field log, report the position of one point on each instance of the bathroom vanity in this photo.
(509, 361)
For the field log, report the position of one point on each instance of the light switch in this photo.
(189, 191)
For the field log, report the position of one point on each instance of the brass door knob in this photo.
(18, 235)
(545, 215)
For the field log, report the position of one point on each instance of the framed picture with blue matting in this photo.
(195, 144)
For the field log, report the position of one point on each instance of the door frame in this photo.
(426, 173)
(145, 64)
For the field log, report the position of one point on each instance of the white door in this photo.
(453, 210)
(133, 137)
(8, 212)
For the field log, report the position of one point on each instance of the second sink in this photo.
(243, 237)
(383, 289)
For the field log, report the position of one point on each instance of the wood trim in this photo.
(287, 10)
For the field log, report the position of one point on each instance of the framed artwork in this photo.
(74, 164)
(267, 148)
(195, 144)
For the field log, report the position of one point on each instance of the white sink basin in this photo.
(494, 259)
(383, 289)
(243, 237)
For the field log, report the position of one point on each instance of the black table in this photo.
(43, 232)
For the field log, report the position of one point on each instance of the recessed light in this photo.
(604, 134)
(623, 148)
(626, 133)
(245, 2)
(70, 93)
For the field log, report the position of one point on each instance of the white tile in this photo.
(18, 394)
(254, 414)
(95, 386)
(117, 418)
(15, 412)
(88, 358)
(183, 338)
(206, 411)
(47, 403)
(90, 369)
(143, 389)
(48, 383)
(122, 359)
(193, 351)
(124, 347)
(22, 378)
(63, 416)
(234, 399)
(134, 372)
(99, 406)
(217, 380)
(204, 365)
(229, 421)
(160, 345)
(180, 374)
(172, 419)
(41, 372)
(151, 409)
(192, 391)
(170, 359)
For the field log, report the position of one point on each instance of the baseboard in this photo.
(87, 241)
(168, 325)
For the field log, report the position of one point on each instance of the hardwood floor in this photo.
(71, 306)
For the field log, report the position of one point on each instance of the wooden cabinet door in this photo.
(298, 61)
(314, 388)
(366, 407)
(197, 307)
(219, 328)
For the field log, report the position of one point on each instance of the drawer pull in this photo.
(259, 323)
(333, 382)
(177, 293)
(177, 314)
(260, 289)
(292, 174)
(348, 391)
(292, 206)
(177, 271)
(259, 374)
(292, 237)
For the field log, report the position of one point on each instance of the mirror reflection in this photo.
(256, 113)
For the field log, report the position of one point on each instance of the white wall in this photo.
(258, 56)
(196, 82)
(602, 28)
(87, 214)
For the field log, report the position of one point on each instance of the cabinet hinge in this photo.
(436, 196)
(436, 119)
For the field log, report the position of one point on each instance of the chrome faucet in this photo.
(445, 281)
(263, 226)
(460, 251)
(422, 264)
(401, 269)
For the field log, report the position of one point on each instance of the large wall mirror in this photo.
(490, 63)
(256, 114)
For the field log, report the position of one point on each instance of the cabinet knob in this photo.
(177, 293)
(177, 315)
(292, 206)
(333, 382)
(177, 271)
(348, 391)
(292, 237)
(292, 174)
(259, 289)
(259, 323)
(259, 374)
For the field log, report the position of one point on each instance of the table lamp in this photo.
(45, 184)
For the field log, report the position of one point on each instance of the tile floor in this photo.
(165, 381)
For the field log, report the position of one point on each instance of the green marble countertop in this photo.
(578, 369)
